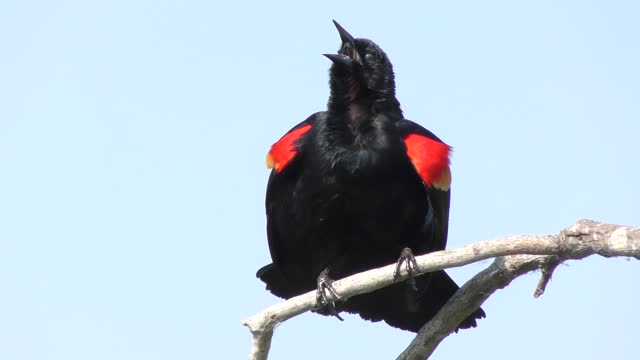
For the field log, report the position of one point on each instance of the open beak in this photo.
(348, 55)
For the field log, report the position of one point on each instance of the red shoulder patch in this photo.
(431, 160)
(283, 150)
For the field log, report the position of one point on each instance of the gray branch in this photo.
(515, 256)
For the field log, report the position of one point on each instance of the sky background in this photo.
(132, 176)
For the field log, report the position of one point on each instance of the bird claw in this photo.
(411, 265)
(325, 283)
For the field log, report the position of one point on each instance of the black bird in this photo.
(356, 187)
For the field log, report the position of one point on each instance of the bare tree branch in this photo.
(579, 241)
(583, 239)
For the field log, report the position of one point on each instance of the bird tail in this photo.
(405, 308)
(276, 282)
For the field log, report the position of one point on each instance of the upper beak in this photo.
(344, 35)
(345, 59)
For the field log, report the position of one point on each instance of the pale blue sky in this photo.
(132, 143)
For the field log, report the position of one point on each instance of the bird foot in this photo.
(407, 258)
(325, 284)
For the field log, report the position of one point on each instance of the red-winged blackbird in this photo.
(355, 187)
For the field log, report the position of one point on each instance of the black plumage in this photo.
(346, 195)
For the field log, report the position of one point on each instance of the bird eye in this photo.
(368, 57)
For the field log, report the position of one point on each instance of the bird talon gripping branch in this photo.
(411, 266)
(347, 184)
(325, 283)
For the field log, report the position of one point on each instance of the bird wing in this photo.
(430, 157)
(285, 160)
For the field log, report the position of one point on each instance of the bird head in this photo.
(360, 69)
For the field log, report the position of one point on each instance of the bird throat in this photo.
(355, 105)
(358, 114)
